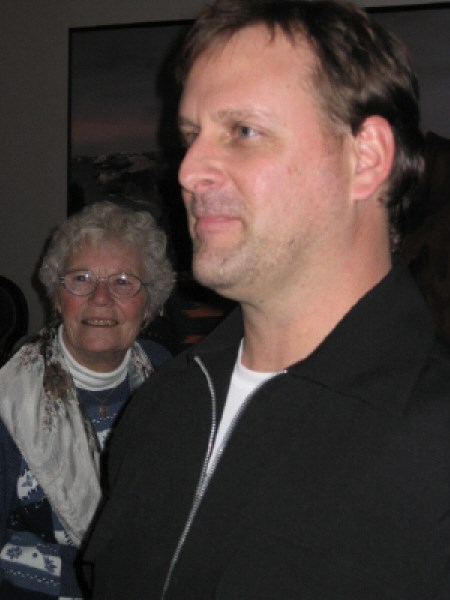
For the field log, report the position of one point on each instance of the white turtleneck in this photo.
(87, 379)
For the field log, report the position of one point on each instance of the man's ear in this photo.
(374, 149)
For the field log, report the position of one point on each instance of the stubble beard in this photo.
(232, 272)
(212, 268)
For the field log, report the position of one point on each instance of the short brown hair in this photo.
(362, 70)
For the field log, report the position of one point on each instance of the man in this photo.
(301, 451)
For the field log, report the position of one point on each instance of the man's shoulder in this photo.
(214, 351)
(435, 375)
(429, 400)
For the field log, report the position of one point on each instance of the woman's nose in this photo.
(101, 293)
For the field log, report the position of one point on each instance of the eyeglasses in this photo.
(83, 283)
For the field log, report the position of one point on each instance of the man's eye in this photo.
(245, 131)
(82, 277)
(188, 138)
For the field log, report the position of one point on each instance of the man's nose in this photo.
(202, 166)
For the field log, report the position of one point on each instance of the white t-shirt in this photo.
(243, 382)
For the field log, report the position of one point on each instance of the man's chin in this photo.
(214, 281)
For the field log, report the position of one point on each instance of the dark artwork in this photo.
(425, 240)
(123, 143)
(124, 146)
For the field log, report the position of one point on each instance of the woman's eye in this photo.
(122, 282)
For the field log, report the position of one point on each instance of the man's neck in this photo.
(280, 333)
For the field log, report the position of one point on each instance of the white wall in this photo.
(33, 117)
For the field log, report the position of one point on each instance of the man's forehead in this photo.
(236, 76)
(245, 39)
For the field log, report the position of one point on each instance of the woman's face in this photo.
(99, 328)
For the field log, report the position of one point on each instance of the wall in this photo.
(33, 117)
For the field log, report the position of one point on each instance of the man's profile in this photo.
(302, 450)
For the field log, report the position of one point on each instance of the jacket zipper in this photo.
(201, 486)
(206, 474)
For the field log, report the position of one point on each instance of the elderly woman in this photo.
(105, 273)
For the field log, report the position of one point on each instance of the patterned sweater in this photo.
(37, 557)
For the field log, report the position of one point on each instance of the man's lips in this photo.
(213, 223)
(100, 322)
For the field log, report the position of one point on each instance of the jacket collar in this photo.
(374, 353)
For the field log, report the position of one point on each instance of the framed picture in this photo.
(123, 142)
(123, 145)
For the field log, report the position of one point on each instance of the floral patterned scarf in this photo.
(39, 406)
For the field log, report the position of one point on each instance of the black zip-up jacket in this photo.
(334, 483)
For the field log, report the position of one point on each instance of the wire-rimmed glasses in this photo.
(84, 282)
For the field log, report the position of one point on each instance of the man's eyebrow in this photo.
(227, 114)
(184, 123)
(239, 114)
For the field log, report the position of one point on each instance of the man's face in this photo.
(266, 187)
